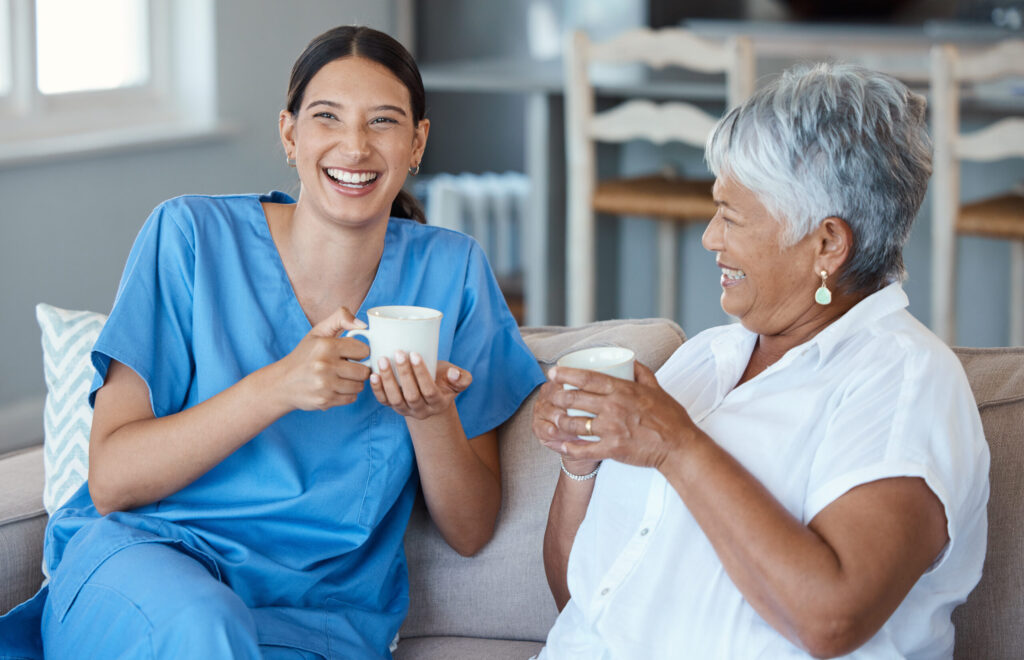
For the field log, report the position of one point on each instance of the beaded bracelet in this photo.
(578, 477)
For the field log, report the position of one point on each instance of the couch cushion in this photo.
(465, 648)
(988, 625)
(22, 521)
(502, 591)
(67, 337)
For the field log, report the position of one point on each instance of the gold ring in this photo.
(587, 426)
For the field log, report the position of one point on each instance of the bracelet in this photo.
(578, 477)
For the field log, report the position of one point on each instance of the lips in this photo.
(731, 274)
(350, 179)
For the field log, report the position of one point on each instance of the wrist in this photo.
(579, 470)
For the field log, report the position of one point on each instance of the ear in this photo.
(286, 127)
(834, 243)
(419, 141)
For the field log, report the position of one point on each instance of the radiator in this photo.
(491, 208)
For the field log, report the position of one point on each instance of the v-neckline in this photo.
(368, 302)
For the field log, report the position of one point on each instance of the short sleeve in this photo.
(914, 417)
(488, 343)
(150, 325)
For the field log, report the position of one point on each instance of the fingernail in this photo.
(415, 358)
(552, 373)
(453, 374)
(382, 364)
(400, 357)
(360, 323)
(375, 379)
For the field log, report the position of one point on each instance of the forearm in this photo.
(568, 508)
(786, 571)
(462, 492)
(146, 460)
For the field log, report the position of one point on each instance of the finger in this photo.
(643, 375)
(424, 381)
(353, 371)
(351, 348)
(340, 320)
(580, 400)
(392, 391)
(377, 387)
(584, 379)
(576, 425)
(410, 389)
(456, 378)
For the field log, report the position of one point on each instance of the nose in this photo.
(354, 143)
(712, 237)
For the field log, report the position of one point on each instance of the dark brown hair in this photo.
(361, 41)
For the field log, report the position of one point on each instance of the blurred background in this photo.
(109, 107)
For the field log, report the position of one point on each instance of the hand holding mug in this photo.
(321, 371)
(407, 385)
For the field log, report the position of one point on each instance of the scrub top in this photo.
(305, 521)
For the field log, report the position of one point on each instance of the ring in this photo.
(587, 426)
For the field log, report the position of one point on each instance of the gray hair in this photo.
(833, 140)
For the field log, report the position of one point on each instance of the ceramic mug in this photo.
(406, 328)
(611, 360)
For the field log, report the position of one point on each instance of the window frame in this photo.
(177, 101)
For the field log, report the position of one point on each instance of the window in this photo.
(85, 75)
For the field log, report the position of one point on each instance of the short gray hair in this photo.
(833, 140)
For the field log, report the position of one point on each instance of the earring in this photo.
(414, 170)
(290, 161)
(823, 296)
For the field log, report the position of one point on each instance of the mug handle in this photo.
(365, 334)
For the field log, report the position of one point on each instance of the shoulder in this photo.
(194, 215)
(432, 234)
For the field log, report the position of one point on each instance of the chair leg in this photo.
(1017, 293)
(667, 272)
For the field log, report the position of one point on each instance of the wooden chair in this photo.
(670, 200)
(1000, 217)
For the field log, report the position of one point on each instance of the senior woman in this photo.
(811, 480)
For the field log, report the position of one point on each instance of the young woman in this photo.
(248, 490)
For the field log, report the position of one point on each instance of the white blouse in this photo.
(874, 395)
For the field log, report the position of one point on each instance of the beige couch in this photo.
(496, 605)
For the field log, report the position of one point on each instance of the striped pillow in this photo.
(68, 337)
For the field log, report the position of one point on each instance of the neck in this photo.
(769, 349)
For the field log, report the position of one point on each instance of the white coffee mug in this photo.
(611, 360)
(406, 328)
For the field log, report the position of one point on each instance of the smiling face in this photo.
(770, 288)
(353, 139)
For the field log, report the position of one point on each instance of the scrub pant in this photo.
(148, 600)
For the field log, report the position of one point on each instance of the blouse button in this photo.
(643, 532)
(604, 592)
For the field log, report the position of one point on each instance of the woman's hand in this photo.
(320, 373)
(638, 423)
(408, 388)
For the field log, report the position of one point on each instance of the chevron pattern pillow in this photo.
(68, 337)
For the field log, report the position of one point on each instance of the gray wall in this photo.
(68, 223)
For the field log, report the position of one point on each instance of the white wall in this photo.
(66, 224)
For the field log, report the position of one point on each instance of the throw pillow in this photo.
(67, 337)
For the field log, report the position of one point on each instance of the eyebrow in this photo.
(336, 105)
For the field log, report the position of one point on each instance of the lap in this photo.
(149, 600)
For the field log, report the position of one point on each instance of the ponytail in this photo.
(407, 206)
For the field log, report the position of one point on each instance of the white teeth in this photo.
(733, 274)
(345, 176)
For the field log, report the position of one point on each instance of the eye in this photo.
(382, 121)
(324, 114)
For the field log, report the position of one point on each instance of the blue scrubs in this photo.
(304, 523)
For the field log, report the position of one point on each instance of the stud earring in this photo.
(414, 170)
(823, 296)
(290, 161)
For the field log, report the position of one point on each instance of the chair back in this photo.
(953, 68)
(633, 119)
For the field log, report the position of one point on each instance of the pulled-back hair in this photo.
(365, 42)
(833, 140)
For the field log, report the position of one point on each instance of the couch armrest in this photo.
(22, 522)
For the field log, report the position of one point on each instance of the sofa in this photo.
(496, 605)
